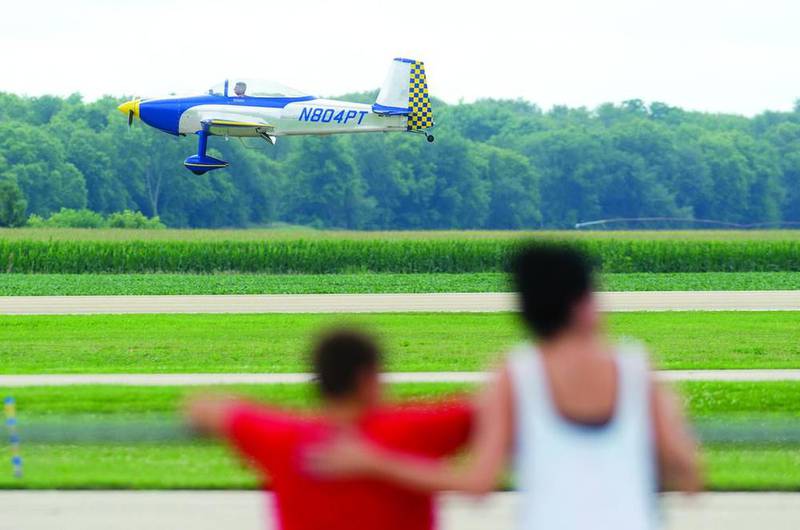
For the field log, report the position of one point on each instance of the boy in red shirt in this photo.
(347, 367)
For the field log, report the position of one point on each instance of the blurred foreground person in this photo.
(590, 431)
(347, 366)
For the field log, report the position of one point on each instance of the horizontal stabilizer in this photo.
(385, 110)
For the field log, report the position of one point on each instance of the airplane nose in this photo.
(130, 108)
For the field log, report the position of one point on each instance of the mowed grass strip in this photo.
(206, 466)
(702, 399)
(101, 401)
(279, 343)
(299, 232)
(196, 284)
(187, 284)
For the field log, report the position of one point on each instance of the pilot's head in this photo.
(240, 88)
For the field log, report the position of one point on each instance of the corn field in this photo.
(320, 256)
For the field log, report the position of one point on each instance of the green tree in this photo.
(327, 187)
(786, 139)
(36, 161)
(496, 163)
(570, 162)
(12, 204)
(89, 152)
(461, 197)
(514, 192)
(389, 181)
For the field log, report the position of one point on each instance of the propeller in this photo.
(131, 108)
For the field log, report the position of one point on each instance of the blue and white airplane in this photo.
(246, 108)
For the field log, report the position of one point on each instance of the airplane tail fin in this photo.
(405, 92)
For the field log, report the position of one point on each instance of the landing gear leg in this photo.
(428, 136)
(202, 163)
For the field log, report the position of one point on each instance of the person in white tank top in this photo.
(591, 436)
(583, 474)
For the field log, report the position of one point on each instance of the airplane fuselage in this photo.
(287, 116)
(312, 116)
(248, 108)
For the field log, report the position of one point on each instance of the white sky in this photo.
(739, 56)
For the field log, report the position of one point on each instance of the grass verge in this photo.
(208, 466)
(414, 342)
(702, 399)
(297, 232)
(180, 284)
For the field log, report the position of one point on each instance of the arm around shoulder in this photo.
(477, 474)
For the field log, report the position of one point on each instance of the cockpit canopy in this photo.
(256, 88)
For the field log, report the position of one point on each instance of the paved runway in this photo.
(209, 510)
(380, 303)
(15, 381)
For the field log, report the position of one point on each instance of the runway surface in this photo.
(16, 381)
(383, 303)
(208, 510)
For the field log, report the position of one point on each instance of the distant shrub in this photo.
(36, 221)
(131, 219)
(70, 218)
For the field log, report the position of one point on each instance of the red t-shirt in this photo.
(274, 441)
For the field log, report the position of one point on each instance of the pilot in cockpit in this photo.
(239, 89)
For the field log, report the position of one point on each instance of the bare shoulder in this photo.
(495, 399)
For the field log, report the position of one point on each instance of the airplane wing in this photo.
(223, 123)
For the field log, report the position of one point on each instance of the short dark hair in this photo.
(550, 280)
(340, 357)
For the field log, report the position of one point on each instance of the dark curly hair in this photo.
(340, 357)
(550, 280)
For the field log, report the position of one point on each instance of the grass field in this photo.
(443, 261)
(418, 342)
(203, 465)
(414, 342)
(272, 234)
(176, 284)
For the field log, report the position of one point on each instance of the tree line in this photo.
(495, 164)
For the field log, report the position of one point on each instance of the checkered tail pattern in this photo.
(421, 116)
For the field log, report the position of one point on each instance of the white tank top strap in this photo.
(529, 382)
(633, 392)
